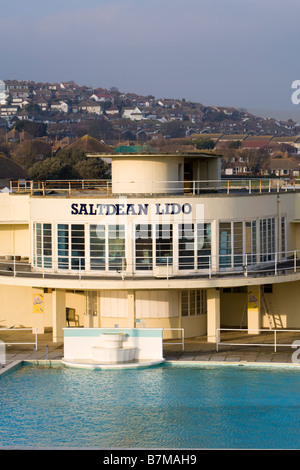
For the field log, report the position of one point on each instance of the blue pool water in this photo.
(162, 407)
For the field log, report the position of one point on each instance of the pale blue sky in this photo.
(241, 53)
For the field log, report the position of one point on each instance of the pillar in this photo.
(131, 309)
(213, 314)
(253, 309)
(58, 314)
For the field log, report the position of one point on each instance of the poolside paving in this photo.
(195, 350)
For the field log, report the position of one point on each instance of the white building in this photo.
(164, 244)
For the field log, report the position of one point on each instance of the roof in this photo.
(89, 144)
(10, 169)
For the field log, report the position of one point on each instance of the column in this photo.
(213, 314)
(58, 314)
(131, 308)
(253, 309)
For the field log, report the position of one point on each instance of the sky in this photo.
(240, 53)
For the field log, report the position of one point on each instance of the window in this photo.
(267, 239)
(97, 247)
(283, 237)
(91, 298)
(203, 245)
(116, 247)
(42, 235)
(237, 243)
(225, 244)
(77, 247)
(164, 244)
(71, 246)
(143, 247)
(63, 246)
(186, 239)
(193, 302)
(250, 241)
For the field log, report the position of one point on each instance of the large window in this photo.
(267, 239)
(283, 237)
(250, 241)
(63, 246)
(186, 246)
(193, 302)
(97, 247)
(203, 245)
(71, 246)
(225, 248)
(143, 247)
(77, 247)
(237, 243)
(164, 244)
(116, 247)
(42, 235)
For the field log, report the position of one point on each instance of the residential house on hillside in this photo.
(102, 97)
(134, 114)
(112, 111)
(285, 167)
(91, 107)
(60, 106)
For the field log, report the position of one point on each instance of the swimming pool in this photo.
(169, 406)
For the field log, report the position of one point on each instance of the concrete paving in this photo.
(195, 349)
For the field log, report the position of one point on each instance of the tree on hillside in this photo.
(36, 129)
(204, 143)
(69, 164)
(173, 129)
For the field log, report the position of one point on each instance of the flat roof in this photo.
(155, 154)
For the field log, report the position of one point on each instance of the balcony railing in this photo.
(192, 187)
(204, 267)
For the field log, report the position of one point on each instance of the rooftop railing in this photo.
(107, 188)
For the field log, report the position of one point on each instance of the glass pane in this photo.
(192, 302)
(184, 303)
(164, 244)
(63, 246)
(143, 247)
(77, 247)
(238, 243)
(38, 244)
(203, 245)
(116, 247)
(225, 244)
(47, 245)
(186, 246)
(97, 247)
(283, 253)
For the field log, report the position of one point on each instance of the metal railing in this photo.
(273, 332)
(205, 266)
(13, 331)
(184, 187)
(170, 342)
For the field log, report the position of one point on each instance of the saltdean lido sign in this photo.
(165, 212)
(127, 209)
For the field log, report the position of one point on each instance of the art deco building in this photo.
(164, 244)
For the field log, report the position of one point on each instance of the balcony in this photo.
(209, 269)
